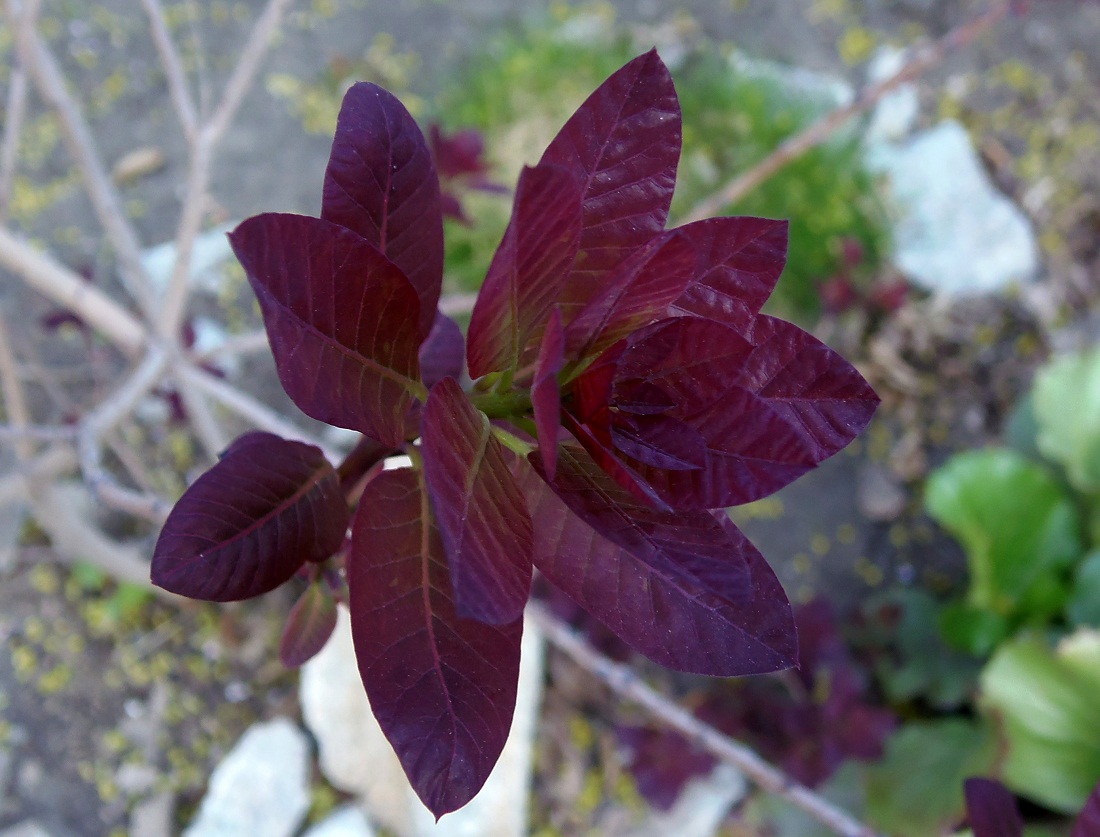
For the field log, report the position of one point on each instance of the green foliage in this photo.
(520, 89)
(916, 789)
(1083, 607)
(1045, 702)
(1020, 532)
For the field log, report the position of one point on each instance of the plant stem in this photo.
(817, 133)
(622, 680)
(504, 404)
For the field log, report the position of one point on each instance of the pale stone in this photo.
(347, 821)
(261, 788)
(701, 808)
(356, 758)
(953, 232)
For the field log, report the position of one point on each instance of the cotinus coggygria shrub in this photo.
(625, 386)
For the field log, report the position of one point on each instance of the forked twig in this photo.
(105, 199)
(205, 139)
(818, 132)
(173, 68)
(14, 114)
(622, 680)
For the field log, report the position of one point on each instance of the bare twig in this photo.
(173, 68)
(45, 467)
(240, 344)
(622, 680)
(15, 399)
(14, 114)
(37, 432)
(817, 133)
(50, 82)
(94, 427)
(54, 280)
(203, 422)
(244, 405)
(174, 302)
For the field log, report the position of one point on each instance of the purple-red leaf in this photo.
(991, 809)
(740, 260)
(1087, 823)
(443, 352)
(545, 393)
(686, 589)
(308, 626)
(624, 144)
(443, 688)
(342, 320)
(637, 292)
(381, 183)
(527, 271)
(814, 389)
(660, 441)
(480, 511)
(247, 525)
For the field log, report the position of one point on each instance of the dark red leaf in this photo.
(308, 626)
(1087, 823)
(686, 589)
(663, 762)
(624, 143)
(740, 260)
(443, 688)
(545, 394)
(342, 321)
(598, 445)
(750, 449)
(992, 809)
(458, 153)
(527, 271)
(637, 292)
(478, 507)
(247, 525)
(815, 390)
(443, 352)
(660, 441)
(381, 183)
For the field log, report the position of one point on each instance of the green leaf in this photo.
(1083, 607)
(916, 789)
(972, 629)
(1016, 524)
(1045, 702)
(1066, 398)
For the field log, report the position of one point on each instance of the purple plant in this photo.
(626, 384)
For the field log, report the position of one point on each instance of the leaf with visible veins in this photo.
(443, 688)
(381, 183)
(480, 511)
(245, 526)
(342, 320)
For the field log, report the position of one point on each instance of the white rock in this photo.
(702, 807)
(347, 821)
(210, 249)
(356, 758)
(896, 113)
(953, 232)
(261, 788)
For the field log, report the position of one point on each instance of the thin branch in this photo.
(43, 468)
(245, 71)
(105, 199)
(38, 432)
(99, 421)
(14, 113)
(15, 399)
(622, 680)
(174, 302)
(240, 344)
(244, 405)
(173, 68)
(56, 281)
(207, 428)
(817, 133)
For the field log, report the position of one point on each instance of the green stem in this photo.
(504, 404)
(513, 442)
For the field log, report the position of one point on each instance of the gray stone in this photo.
(152, 817)
(896, 113)
(953, 231)
(348, 821)
(209, 251)
(261, 788)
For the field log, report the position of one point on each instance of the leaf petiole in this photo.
(513, 442)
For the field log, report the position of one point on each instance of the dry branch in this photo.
(825, 127)
(622, 680)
